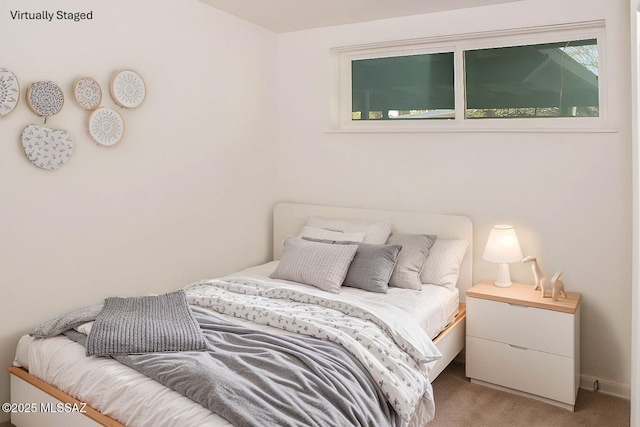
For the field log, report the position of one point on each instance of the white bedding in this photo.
(135, 400)
(434, 307)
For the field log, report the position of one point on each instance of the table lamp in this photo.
(503, 248)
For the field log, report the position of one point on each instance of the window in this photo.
(540, 78)
(411, 87)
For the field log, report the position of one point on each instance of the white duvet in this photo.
(432, 308)
(135, 400)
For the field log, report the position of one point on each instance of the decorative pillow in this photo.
(317, 264)
(372, 267)
(375, 233)
(443, 263)
(329, 236)
(85, 328)
(415, 250)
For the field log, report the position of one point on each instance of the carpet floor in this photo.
(461, 403)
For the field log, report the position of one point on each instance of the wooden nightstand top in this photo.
(523, 294)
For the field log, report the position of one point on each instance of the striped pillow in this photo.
(317, 264)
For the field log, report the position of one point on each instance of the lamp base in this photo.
(504, 277)
(503, 285)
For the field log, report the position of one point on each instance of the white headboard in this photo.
(289, 218)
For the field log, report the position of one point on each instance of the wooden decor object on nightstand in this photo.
(520, 342)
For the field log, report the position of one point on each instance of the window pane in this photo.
(543, 80)
(403, 87)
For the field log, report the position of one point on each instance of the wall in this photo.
(569, 195)
(635, 90)
(187, 194)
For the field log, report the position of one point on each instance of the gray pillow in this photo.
(372, 267)
(414, 253)
(66, 321)
(317, 264)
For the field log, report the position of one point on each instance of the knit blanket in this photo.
(161, 323)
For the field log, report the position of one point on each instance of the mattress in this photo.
(135, 400)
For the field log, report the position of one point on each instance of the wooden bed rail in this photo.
(63, 397)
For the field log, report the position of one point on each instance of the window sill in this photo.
(471, 130)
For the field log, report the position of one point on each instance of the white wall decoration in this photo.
(88, 93)
(9, 91)
(45, 98)
(47, 148)
(127, 89)
(106, 126)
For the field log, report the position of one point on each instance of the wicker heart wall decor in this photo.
(9, 91)
(47, 148)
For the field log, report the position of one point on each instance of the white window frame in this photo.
(340, 119)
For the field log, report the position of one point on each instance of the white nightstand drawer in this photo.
(521, 369)
(528, 327)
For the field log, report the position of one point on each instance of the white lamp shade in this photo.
(503, 245)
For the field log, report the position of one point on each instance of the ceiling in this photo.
(282, 16)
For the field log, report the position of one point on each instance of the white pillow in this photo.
(442, 266)
(85, 328)
(317, 264)
(375, 232)
(333, 236)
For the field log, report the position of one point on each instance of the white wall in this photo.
(186, 194)
(568, 194)
(635, 90)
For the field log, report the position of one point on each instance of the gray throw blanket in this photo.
(145, 324)
(254, 378)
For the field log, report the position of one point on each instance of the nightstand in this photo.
(520, 342)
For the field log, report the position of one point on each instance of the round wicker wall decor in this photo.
(127, 89)
(45, 98)
(9, 91)
(88, 93)
(106, 126)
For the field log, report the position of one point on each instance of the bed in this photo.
(54, 383)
